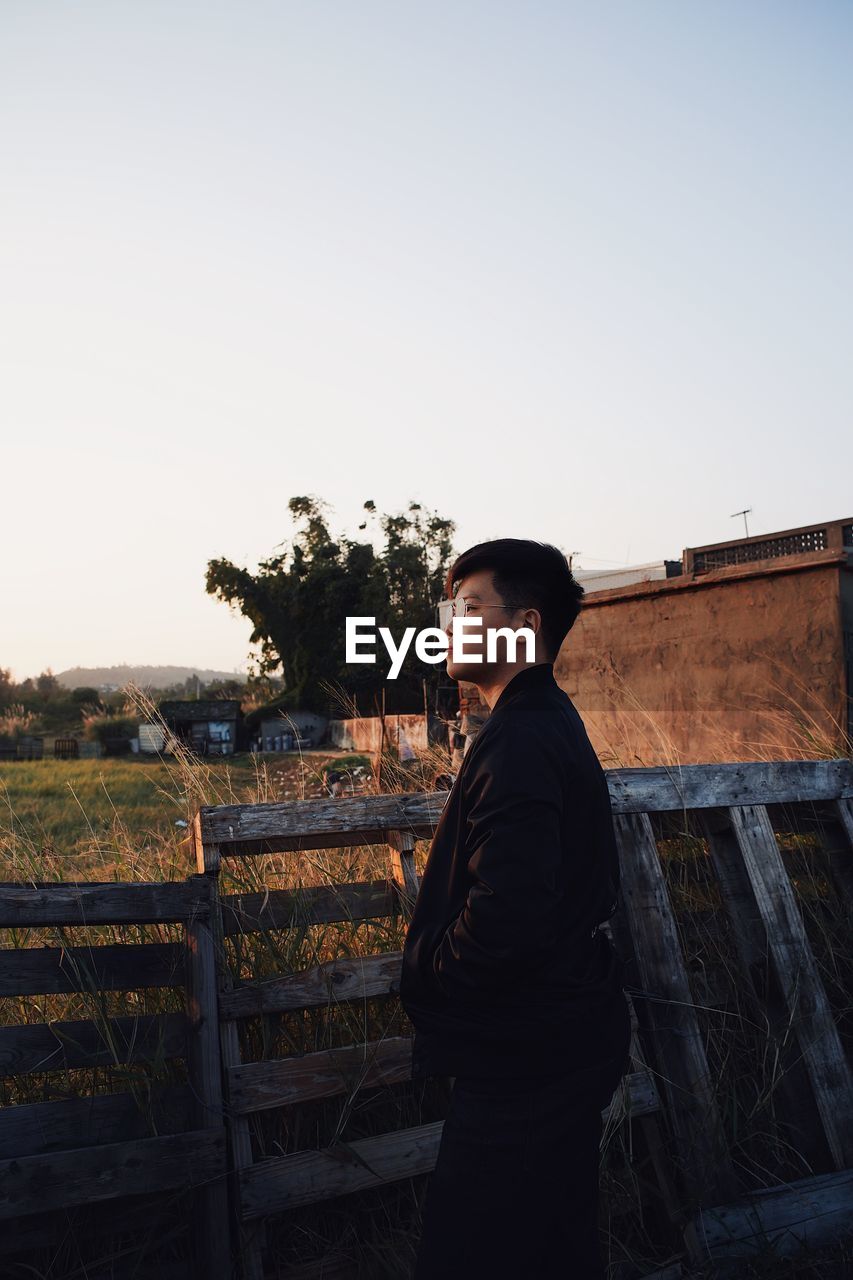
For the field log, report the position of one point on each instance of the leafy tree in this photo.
(47, 685)
(299, 599)
(85, 695)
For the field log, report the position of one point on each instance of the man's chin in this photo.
(470, 672)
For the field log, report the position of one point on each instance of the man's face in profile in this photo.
(483, 601)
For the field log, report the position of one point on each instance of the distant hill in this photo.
(145, 677)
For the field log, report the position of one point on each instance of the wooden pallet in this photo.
(730, 801)
(113, 1149)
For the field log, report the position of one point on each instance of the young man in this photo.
(510, 985)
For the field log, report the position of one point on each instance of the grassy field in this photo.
(119, 818)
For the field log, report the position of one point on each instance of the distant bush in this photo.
(15, 721)
(102, 727)
(84, 694)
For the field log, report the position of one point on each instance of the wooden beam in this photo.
(794, 964)
(271, 1186)
(122, 966)
(211, 1228)
(682, 1064)
(35, 1128)
(251, 1243)
(705, 786)
(841, 858)
(310, 904)
(246, 830)
(797, 1117)
(334, 981)
(54, 1046)
(402, 870)
(317, 824)
(131, 1217)
(90, 902)
(63, 1179)
(261, 1086)
(799, 1216)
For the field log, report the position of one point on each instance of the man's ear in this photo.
(532, 619)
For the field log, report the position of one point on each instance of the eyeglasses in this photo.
(460, 608)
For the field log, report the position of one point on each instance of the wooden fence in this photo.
(60, 1155)
(57, 1154)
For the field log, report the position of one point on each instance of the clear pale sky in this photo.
(578, 272)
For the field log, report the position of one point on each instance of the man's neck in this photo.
(493, 683)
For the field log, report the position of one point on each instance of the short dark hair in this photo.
(535, 574)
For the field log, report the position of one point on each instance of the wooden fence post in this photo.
(402, 867)
(211, 1234)
(251, 1240)
(682, 1062)
(808, 1007)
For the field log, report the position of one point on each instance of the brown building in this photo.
(746, 654)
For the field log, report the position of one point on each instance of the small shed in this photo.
(208, 726)
(288, 729)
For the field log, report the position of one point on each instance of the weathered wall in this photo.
(365, 733)
(847, 624)
(742, 663)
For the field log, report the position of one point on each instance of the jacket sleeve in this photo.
(515, 856)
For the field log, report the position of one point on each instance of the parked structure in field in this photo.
(403, 733)
(745, 654)
(152, 739)
(207, 727)
(289, 729)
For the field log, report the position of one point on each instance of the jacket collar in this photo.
(529, 678)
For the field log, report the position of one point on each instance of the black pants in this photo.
(514, 1192)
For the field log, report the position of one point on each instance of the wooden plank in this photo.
(841, 852)
(252, 1242)
(136, 1215)
(60, 1180)
(333, 981)
(641, 1097)
(123, 966)
(318, 824)
(844, 812)
(795, 968)
(402, 869)
(91, 902)
(805, 1215)
(55, 1046)
(797, 1116)
(271, 1186)
(683, 1065)
(211, 1220)
(261, 1086)
(313, 904)
(35, 1128)
(704, 786)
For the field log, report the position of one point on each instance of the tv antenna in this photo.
(746, 511)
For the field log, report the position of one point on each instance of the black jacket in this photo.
(504, 969)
